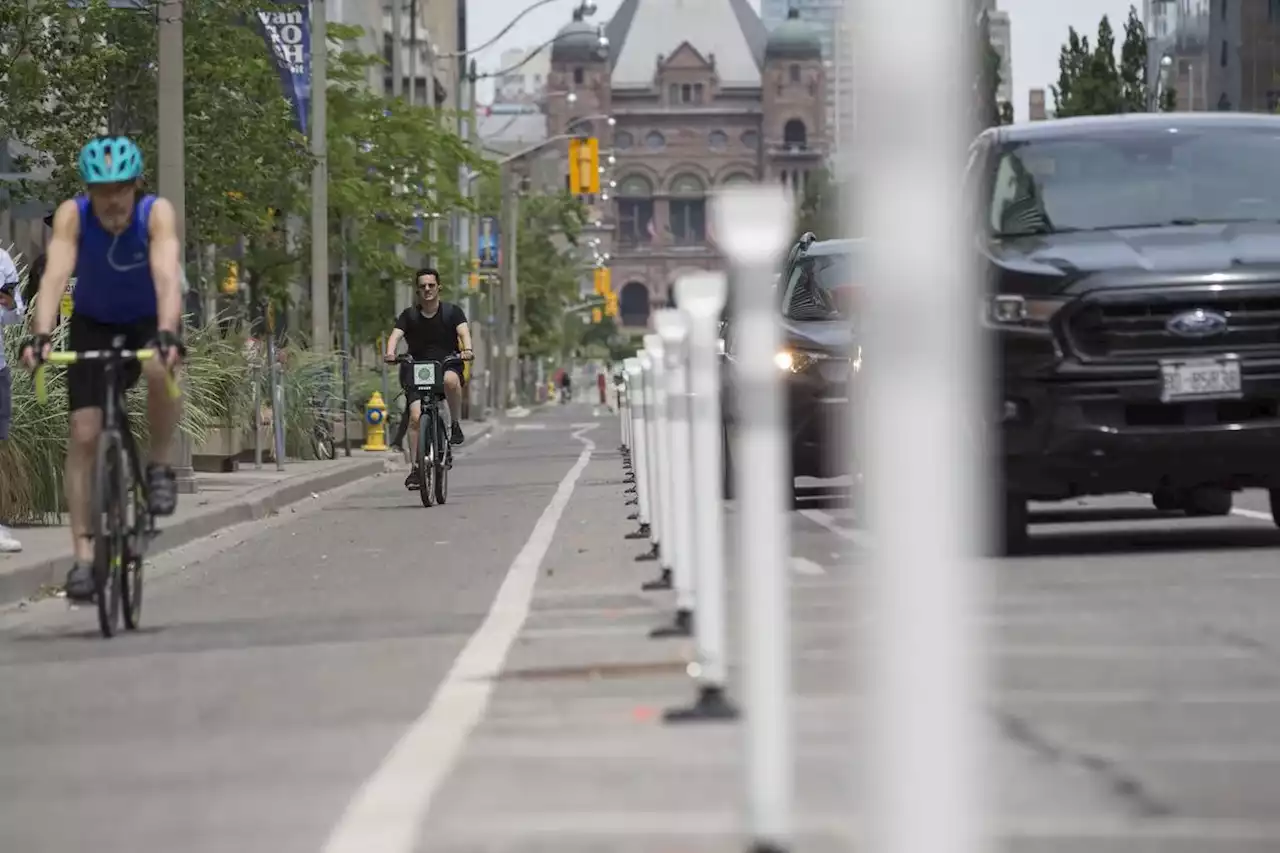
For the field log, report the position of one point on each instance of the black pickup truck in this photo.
(1133, 265)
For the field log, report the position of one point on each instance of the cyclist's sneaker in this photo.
(414, 481)
(455, 434)
(164, 489)
(80, 582)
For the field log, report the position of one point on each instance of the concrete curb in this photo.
(253, 505)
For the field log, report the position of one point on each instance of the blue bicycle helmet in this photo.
(110, 160)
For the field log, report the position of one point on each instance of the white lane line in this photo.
(804, 566)
(520, 427)
(1253, 514)
(390, 809)
(823, 519)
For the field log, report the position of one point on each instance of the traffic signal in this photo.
(598, 275)
(231, 283)
(584, 166)
(606, 281)
(611, 304)
(596, 316)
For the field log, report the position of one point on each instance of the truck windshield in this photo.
(820, 288)
(1137, 177)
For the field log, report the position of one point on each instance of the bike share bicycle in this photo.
(434, 454)
(122, 523)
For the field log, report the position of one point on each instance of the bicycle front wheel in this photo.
(425, 456)
(108, 530)
(138, 525)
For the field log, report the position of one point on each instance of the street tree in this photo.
(382, 156)
(1090, 82)
(987, 83)
(1133, 64)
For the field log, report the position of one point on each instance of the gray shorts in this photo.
(6, 401)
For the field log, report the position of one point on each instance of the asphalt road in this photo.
(299, 680)
(279, 662)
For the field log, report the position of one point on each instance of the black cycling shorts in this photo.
(86, 381)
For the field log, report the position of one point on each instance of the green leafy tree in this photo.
(1133, 64)
(1090, 82)
(381, 152)
(1073, 60)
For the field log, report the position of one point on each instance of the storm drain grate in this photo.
(595, 670)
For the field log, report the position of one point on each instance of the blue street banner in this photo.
(287, 31)
(488, 244)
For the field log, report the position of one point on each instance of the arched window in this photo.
(635, 211)
(633, 305)
(622, 140)
(737, 178)
(688, 207)
(794, 134)
(718, 140)
(655, 141)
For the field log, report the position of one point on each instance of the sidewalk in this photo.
(222, 500)
(573, 754)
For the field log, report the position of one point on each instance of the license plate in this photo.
(424, 375)
(1200, 379)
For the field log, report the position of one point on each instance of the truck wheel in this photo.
(1166, 500)
(1207, 501)
(1014, 525)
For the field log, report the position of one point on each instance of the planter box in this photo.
(219, 451)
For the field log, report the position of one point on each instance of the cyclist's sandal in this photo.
(163, 487)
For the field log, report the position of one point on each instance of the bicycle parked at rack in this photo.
(433, 455)
(122, 523)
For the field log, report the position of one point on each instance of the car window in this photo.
(1136, 177)
(818, 288)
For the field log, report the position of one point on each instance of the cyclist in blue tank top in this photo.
(122, 245)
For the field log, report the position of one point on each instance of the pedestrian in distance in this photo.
(11, 310)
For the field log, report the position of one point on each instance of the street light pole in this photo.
(320, 329)
(171, 166)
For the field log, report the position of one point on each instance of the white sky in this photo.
(1039, 27)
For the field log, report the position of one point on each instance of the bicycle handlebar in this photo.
(65, 359)
(456, 358)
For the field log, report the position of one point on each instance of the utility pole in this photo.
(403, 288)
(171, 165)
(321, 333)
(506, 288)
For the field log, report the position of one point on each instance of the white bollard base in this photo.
(666, 580)
(712, 705)
(681, 627)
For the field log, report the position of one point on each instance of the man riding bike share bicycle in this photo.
(123, 247)
(431, 330)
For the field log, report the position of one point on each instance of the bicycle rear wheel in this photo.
(426, 455)
(441, 460)
(108, 531)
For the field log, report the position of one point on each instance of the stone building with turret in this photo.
(701, 96)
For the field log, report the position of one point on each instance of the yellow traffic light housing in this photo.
(596, 316)
(584, 166)
(611, 304)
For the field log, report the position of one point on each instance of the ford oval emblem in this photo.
(1197, 324)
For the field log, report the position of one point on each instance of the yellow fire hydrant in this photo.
(375, 419)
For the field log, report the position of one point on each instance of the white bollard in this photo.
(639, 457)
(621, 407)
(673, 328)
(656, 531)
(660, 456)
(752, 226)
(702, 297)
(924, 655)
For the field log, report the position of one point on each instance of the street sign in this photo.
(488, 244)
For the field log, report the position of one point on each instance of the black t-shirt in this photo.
(434, 337)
